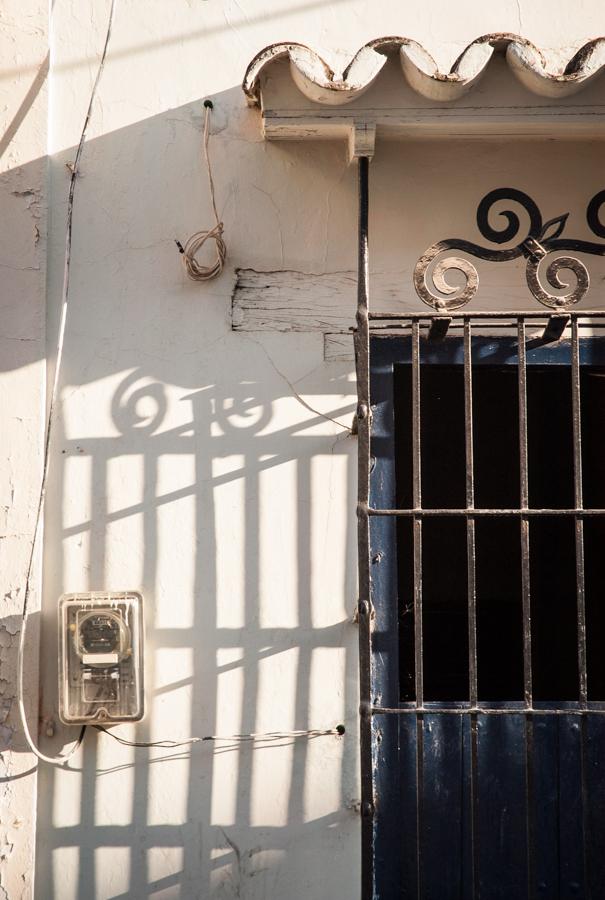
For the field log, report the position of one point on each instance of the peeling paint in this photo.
(5, 708)
(6, 638)
(6, 848)
(6, 736)
(11, 624)
(34, 200)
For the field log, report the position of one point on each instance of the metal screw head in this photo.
(363, 607)
(367, 809)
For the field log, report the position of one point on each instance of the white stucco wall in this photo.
(183, 463)
(23, 186)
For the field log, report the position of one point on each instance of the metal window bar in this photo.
(580, 576)
(417, 567)
(470, 521)
(417, 521)
(525, 584)
(578, 501)
(524, 522)
(472, 595)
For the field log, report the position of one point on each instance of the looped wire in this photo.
(195, 270)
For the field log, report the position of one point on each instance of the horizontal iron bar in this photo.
(489, 314)
(487, 711)
(419, 513)
(493, 324)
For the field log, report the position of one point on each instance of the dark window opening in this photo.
(498, 544)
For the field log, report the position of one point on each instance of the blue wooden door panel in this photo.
(545, 791)
(594, 799)
(444, 841)
(501, 808)
(570, 817)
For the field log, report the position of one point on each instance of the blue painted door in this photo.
(483, 799)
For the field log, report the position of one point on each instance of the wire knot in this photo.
(195, 270)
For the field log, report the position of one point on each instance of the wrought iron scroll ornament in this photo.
(541, 239)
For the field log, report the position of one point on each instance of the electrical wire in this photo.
(63, 758)
(195, 270)
(253, 736)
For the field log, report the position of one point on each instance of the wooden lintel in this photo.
(564, 123)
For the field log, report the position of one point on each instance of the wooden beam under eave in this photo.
(571, 123)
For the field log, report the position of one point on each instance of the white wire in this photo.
(195, 270)
(253, 736)
(63, 758)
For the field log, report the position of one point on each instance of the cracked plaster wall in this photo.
(211, 469)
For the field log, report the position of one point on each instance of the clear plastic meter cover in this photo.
(101, 657)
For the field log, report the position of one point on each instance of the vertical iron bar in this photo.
(417, 522)
(580, 578)
(526, 601)
(417, 538)
(362, 351)
(470, 521)
(472, 596)
(579, 503)
(524, 482)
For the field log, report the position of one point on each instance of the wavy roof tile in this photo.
(321, 84)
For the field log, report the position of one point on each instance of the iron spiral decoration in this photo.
(539, 241)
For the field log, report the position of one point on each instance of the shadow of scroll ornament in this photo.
(539, 241)
(242, 411)
(142, 409)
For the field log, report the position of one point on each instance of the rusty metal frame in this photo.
(432, 326)
(362, 360)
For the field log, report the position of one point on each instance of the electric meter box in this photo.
(101, 658)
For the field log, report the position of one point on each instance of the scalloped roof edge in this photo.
(319, 83)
